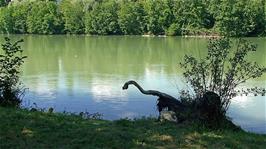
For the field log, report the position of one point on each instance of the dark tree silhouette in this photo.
(165, 101)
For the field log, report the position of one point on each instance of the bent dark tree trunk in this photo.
(206, 109)
(165, 101)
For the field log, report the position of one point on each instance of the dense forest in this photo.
(134, 17)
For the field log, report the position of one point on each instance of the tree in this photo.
(103, 18)
(19, 17)
(108, 17)
(44, 18)
(6, 21)
(73, 16)
(131, 17)
(239, 17)
(264, 18)
(191, 16)
(257, 7)
(10, 63)
(159, 16)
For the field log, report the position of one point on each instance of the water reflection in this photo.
(84, 73)
(249, 112)
(106, 90)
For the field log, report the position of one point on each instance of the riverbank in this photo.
(25, 129)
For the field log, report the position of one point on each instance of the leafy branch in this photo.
(10, 63)
(223, 70)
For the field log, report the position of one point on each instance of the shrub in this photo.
(221, 72)
(10, 86)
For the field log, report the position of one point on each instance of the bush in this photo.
(10, 61)
(220, 73)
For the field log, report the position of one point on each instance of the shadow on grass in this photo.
(24, 129)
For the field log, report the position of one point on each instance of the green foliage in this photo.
(131, 18)
(10, 63)
(73, 16)
(223, 70)
(103, 18)
(240, 17)
(19, 17)
(108, 17)
(173, 30)
(6, 21)
(159, 16)
(13, 18)
(264, 19)
(53, 130)
(3, 3)
(191, 15)
(258, 11)
(43, 18)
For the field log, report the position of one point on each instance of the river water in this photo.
(86, 73)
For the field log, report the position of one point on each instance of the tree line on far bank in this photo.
(135, 17)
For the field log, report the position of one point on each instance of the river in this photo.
(86, 73)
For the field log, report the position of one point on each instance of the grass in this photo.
(25, 129)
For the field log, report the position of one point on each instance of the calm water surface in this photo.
(86, 73)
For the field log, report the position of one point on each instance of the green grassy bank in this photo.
(24, 129)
